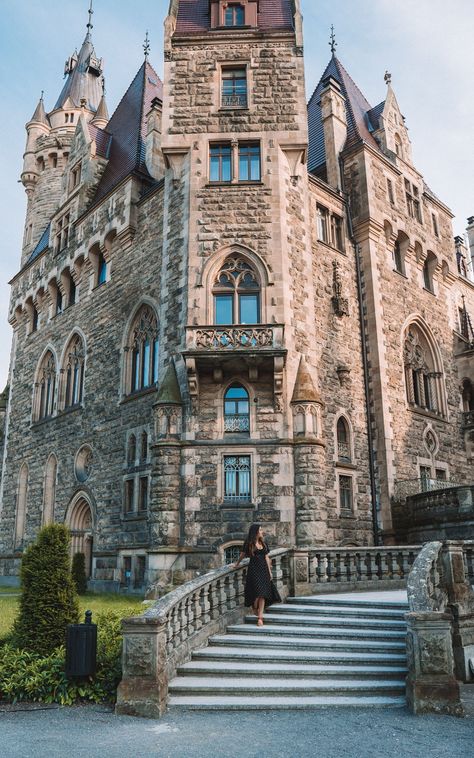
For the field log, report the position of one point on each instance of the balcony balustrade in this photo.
(234, 101)
(261, 338)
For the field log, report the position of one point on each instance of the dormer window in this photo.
(234, 15)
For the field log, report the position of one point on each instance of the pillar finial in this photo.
(388, 78)
(90, 25)
(146, 46)
(332, 40)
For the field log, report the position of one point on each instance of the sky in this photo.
(425, 44)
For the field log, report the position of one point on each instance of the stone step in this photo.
(230, 668)
(278, 625)
(263, 686)
(302, 619)
(255, 654)
(242, 703)
(349, 611)
(344, 602)
(260, 638)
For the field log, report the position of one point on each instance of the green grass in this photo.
(9, 590)
(89, 602)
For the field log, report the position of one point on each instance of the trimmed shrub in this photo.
(79, 573)
(48, 601)
(31, 677)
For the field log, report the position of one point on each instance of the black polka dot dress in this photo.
(258, 582)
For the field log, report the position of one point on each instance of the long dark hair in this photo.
(251, 541)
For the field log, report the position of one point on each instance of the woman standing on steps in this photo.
(259, 588)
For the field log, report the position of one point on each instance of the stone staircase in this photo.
(312, 651)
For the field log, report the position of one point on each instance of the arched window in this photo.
(144, 447)
(423, 377)
(236, 410)
(343, 441)
(46, 387)
(143, 347)
(21, 502)
(49, 491)
(74, 370)
(236, 293)
(132, 450)
(398, 146)
(429, 268)
(101, 269)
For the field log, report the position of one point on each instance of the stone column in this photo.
(461, 604)
(299, 572)
(143, 690)
(431, 684)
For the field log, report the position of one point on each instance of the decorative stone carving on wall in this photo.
(339, 303)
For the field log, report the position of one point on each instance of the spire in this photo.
(101, 117)
(332, 41)
(83, 72)
(304, 390)
(40, 114)
(169, 392)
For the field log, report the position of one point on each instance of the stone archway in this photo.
(80, 522)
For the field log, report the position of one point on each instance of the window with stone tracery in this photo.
(143, 351)
(74, 372)
(422, 377)
(45, 388)
(236, 293)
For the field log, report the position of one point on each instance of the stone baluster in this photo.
(338, 565)
(197, 610)
(205, 606)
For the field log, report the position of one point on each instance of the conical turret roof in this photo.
(102, 113)
(169, 392)
(84, 78)
(304, 390)
(40, 114)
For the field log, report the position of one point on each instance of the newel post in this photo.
(143, 690)
(461, 604)
(299, 572)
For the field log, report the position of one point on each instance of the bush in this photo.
(48, 601)
(79, 573)
(28, 676)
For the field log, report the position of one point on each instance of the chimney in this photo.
(333, 112)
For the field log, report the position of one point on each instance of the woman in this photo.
(259, 588)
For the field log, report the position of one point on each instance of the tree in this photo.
(48, 600)
(79, 573)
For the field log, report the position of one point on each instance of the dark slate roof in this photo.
(82, 83)
(40, 113)
(374, 116)
(194, 16)
(127, 128)
(102, 138)
(357, 108)
(42, 244)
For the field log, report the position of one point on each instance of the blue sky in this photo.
(426, 45)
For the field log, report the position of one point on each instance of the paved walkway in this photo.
(94, 732)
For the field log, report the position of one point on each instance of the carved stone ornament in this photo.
(430, 441)
(433, 655)
(339, 303)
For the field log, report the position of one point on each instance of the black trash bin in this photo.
(81, 649)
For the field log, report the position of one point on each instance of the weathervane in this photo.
(146, 46)
(388, 78)
(332, 44)
(90, 25)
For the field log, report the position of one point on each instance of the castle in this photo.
(232, 306)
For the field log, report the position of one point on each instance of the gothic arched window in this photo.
(422, 375)
(343, 441)
(236, 293)
(45, 387)
(236, 410)
(144, 350)
(429, 268)
(74, 372)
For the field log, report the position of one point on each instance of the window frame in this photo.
(233, 149)
(235, 9)
(236, 290)
(236, 415)
(241, 104)
(238, 497)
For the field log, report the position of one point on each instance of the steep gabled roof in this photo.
(102, 139)
(194, 17)
(42, 244)
(127, 128)
(357, 109)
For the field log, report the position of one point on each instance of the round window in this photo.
(84, 463)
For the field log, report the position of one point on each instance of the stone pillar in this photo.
(431, 684)
(165, 500)
(143, 690)
(461, 604)
(299, 572)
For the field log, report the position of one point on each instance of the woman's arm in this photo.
(241, 557)
(269, 564)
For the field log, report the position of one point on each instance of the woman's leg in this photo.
(260, 607)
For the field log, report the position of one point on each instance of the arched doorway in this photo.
(80, 522)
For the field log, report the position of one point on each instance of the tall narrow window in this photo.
(391, 196)
(434, 221)
(422, 377)
(236, 293)
(234, 15)
(343, 441)
(417, 205)
(429, 268)
(101, 269)
(144, 350)
(74, 369)
(249, 162)
(345, 494)
(220, 163)
(129, 495)
(46, 387)
(34, 321)
(236, 410)
(144, 447)
(131, 450)
(59, 301)
(397, 258)
(234, 88)
(323, 224)
(237, 478)
(72, 291)
(337, 236)
(143, 493)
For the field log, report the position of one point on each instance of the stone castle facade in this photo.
(232, 306)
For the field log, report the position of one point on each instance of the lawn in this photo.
(90, 601)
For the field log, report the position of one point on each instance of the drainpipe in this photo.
(373, 487)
